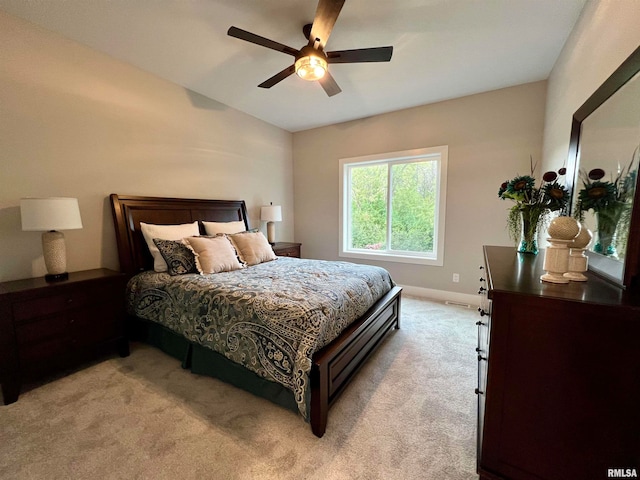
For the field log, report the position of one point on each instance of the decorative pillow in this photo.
(214, 228)
(180, 259)
(213, 254)
(252, 248)
(165, 232)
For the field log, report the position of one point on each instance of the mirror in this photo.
(605, 151)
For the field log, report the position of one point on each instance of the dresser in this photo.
(558, 374)
(46, 327)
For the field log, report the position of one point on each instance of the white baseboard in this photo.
(461, 299)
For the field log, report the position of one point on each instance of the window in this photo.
(392, 206)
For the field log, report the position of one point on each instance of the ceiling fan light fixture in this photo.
(311, 67)
(311, 61)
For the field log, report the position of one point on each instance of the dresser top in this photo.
(519, 273)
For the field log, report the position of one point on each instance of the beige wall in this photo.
(490, 137)
(77, 123)
(606, 33)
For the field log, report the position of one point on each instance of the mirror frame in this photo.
(602, 265)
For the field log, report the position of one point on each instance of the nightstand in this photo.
(287, 249)
(46, 327)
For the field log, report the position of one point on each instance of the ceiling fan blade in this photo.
(326, 15)
(258, 40)
(278, 77)
(378, 54)
(329, 84)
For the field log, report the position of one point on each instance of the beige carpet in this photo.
(410, 414)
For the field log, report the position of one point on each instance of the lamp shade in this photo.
(272, 213)
(53, 213)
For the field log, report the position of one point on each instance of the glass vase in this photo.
(529, 219)
(607, 219)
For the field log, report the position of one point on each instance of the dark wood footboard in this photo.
(336, 364)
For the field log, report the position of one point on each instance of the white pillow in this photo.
(213, 254)
(214, 228)
(165, 232)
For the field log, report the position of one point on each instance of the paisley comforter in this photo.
(271, 318)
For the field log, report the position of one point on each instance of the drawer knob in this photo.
(482, 312)
(482, 279)
(479, 323)
(480, 358)
(481, 267)
(482, 289)
(478, 392)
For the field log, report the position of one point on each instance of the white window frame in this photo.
(436, 258)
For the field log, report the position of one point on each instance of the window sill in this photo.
(385, 257)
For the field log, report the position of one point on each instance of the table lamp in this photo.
(271, 214)
(49, 215)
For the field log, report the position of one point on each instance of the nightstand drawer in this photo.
(86, 325)
(43, 357)
(36, 332)
(290, 252)
(96, 326)
(286, 249)
(67, 335)
(38, 307)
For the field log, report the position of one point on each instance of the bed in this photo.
(331, 365)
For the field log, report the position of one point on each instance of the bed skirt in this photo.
(204, 361)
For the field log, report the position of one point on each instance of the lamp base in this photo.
(56, 277)
(55, 254)
(271, 232)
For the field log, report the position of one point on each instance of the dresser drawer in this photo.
(484, 329)
(47, 305)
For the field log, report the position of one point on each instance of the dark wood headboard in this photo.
(129, 211)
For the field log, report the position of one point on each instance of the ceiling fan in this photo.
(311, 61)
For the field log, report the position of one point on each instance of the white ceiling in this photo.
(442, 48)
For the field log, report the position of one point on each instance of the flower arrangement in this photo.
(600, 195)
(610, 201)
(532, 205)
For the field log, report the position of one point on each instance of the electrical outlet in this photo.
(456, 277)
